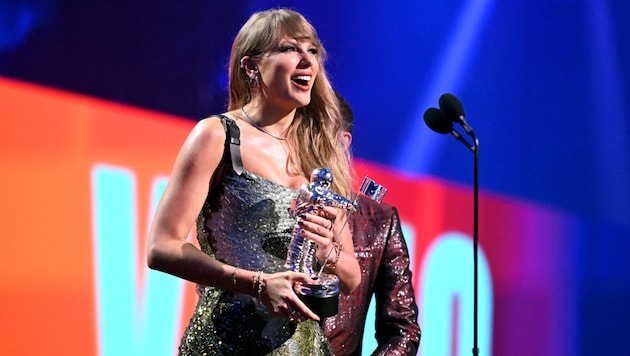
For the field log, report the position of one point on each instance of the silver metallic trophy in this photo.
(323, 296)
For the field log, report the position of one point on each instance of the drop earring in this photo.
(254, 78)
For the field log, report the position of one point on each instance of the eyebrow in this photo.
(297, 40)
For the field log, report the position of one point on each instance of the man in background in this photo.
(381, 250)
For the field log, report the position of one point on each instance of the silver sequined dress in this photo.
(245, 223)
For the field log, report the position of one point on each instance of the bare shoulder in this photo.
(208, 133)
(211, 126)
(205, 143)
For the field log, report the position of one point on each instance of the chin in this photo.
(299, 99)
(305, 100)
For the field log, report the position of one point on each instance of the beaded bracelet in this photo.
(260, 284)
(234, 276)
(257, 283)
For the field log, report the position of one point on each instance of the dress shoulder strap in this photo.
(232, 143)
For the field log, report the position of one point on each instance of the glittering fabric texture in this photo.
(245, 223)
(382, 254)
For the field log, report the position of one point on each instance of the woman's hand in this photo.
(334, 244)
(280, 295)
(319, 226)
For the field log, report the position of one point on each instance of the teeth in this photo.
(305, 78)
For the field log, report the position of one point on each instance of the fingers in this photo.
(287, 303)
(321, 235)
(329, 214)
(330, 227)
(318, 225)
(300, 288)
(298, 312)
(321, 231)
(300, 278)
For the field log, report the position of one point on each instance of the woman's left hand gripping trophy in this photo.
(322, 297)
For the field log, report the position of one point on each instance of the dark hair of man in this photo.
(347, 117)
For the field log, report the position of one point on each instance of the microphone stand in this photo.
(452, 110)
(474, 148)
(475, 349)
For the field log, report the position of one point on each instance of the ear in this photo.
(347, 138)
(248, 64)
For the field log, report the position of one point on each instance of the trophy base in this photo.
(323, 297)
(324, 307)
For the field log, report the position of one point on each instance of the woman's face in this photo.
(287, 72)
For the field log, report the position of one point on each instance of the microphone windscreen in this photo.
(437, 121)
(452, 107)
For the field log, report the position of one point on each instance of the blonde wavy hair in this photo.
(314, 136)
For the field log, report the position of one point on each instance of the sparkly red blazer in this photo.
(382, 254)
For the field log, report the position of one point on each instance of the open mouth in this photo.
(302, 80)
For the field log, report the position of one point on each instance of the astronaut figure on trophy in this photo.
(323, 296)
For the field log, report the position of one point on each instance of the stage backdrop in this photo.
(80, 180)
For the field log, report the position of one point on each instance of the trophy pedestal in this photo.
(323, 297)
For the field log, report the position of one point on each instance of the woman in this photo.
(237, 178)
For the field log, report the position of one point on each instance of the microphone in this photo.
(437, 121)
(454, 110)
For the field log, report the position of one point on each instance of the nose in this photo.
(305, 62)
(307, 59)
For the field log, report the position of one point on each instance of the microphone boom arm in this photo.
(460, 138)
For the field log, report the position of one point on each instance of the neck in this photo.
(266, 114)
(261, 126)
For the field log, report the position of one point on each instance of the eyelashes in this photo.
(290, 48)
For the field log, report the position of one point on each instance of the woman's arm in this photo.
(168, 249)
